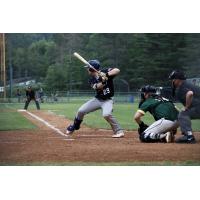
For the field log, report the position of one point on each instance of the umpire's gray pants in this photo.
(185, 117)
(107, 108)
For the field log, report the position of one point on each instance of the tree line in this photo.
(142, 58)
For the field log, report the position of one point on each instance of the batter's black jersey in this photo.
(30, 94)
(108, 89)
(182, 91)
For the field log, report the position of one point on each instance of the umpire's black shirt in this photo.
(182, 91)
(30, 94)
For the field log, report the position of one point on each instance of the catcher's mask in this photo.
(176, 74)
(144, 90)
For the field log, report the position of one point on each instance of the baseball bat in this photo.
(84, 61)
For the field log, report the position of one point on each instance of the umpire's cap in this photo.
(148, 89)
(95, 64)
(176, 74)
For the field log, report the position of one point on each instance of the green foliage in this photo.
(56, 78)
(20, 62)
(142, 58)
(42, 55)
(192, 59)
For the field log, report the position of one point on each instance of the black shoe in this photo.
(190, 139)
(70, 129)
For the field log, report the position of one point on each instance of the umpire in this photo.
(30, 95)
(189, 95)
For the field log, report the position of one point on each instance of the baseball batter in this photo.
(102, 83)
(163, 111)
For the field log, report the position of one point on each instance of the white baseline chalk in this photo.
(46, 123)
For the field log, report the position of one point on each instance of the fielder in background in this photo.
(163, 111)
(189, 95)
(18, 95)
(30, 95)
(102, 83)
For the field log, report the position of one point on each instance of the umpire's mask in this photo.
(176, 74)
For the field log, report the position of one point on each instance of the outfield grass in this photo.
(123, 112)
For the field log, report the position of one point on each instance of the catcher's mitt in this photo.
(142, 128)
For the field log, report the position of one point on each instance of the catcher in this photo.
(30, 95)
(103, 85)
(164, 113)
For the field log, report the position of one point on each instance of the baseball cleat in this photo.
(169, 137)
(119, 134)
(70, 129)
(188, 139)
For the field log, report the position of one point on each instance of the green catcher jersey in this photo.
(159, 108)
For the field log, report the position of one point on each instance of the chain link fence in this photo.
(73, 96)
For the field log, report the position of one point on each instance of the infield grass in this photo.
(14, 121)
(123, 112)
(10, 119)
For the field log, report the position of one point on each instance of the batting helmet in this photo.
(95, 64)
(148, 89)
(177, 75)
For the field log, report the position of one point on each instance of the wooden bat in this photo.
(85, 61)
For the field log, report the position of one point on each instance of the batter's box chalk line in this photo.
(47, 124)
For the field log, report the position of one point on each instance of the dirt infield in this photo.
(45, 146)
